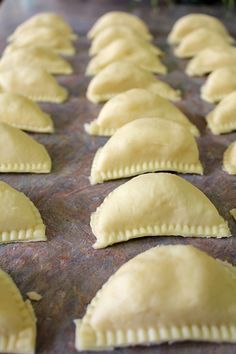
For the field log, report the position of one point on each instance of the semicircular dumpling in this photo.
(46, 37)
(198, 40)
(22, 113)
(146, 145)
(38, 56)
(122, 19)
(21, 153)
(156, 205)
(20, 220)
(191, 22)
(229, 159)
(122, 76)
(210, 59)
(223, 117)
(219, 84)
(32, 82)
(45, 19)
(135, 104)
(132, 52)
(17, 319)
(167, 294)
(110, 34)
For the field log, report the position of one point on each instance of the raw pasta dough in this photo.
(166, 294)
(122, 76)
(189, 23)
(32, 82)
(219, 84)
(222, 119)
(134, 53)
(135, 104)
(18, 321)
(230, 159)
(20, 220)
(122, 19)
(21, 153)
(198, 40)
(110, 34)
(146, 145)
(36, 56)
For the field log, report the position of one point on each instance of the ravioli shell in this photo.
(20, 220)
(198, 40)
(146, 145)
(219, 84)
(18, 321)
(134, 53)
(223, 117)
(122, 19)
(156, 205)
(36, 56)
(122, 76)
(189, 23)
(136, 104)
(211, 59)
(44, 19)
(46, 37)
(21, 153)
(166, 294)
(22, 113)
(230, 159)
(32, 82)
(110, 34)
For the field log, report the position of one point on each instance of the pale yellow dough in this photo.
(32, 82)
(123, 76)
(20, 220)
(110, 34)
(22, 113)
(146, 145)
(136, 104)
(211, 59)
(132, 52)
(156, 205)
(166, 294)
(46, 37)
(219, 84)
(44, 19)
(21, 153)
(17, 319)
(222, 119)
(36, 56)
(122, 19)
(191, 22)
(198, 40)
(229, 160)
(233, 213)
(34, 296)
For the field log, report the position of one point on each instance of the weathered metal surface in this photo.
(65, 269)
